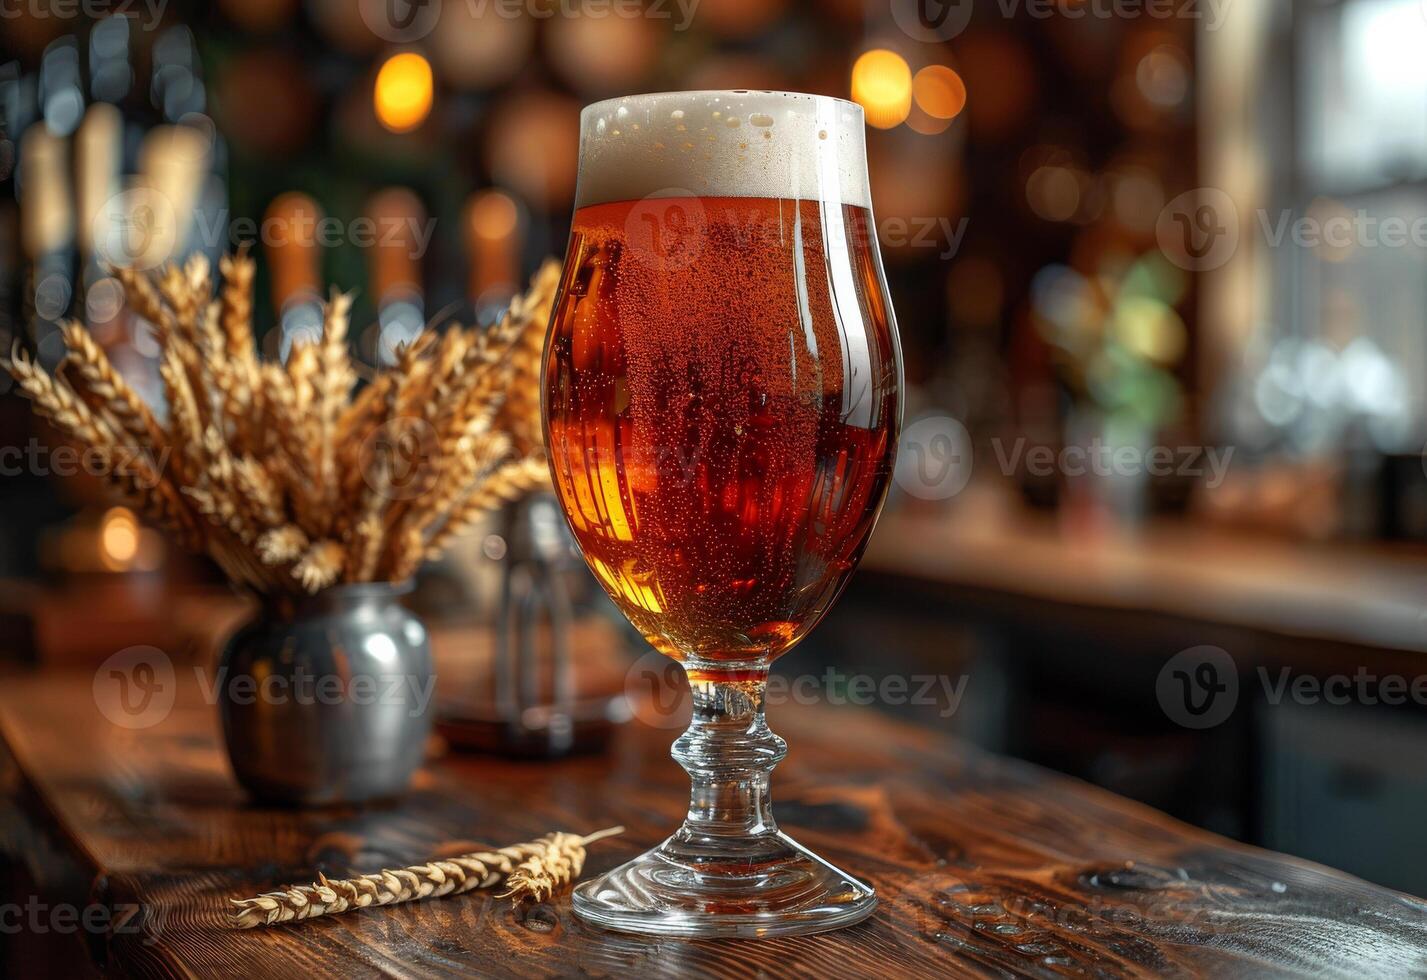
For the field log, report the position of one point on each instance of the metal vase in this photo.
(328, 699)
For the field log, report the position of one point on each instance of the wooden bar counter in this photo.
(983, 866)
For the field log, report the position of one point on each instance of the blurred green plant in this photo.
(1116, 338)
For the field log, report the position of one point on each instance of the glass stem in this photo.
(729, 753)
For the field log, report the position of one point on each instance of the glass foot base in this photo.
(701, 887)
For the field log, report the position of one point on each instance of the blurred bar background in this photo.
(1158, 272)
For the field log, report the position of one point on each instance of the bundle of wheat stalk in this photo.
(532, 871)
(288, 474)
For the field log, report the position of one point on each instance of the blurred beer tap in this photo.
(175, 87)
(98, 163)
(294, 261)
(110, 73)
(61, 91)
(173, 168)
(400, 234)
(47, 235)
(56, 103)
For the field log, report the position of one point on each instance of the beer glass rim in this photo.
(633, 101)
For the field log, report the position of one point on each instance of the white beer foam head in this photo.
(722, 144)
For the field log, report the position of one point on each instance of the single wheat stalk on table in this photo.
(531, 871)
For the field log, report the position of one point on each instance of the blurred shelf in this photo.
(1363, 594)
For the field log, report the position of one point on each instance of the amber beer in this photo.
(721, 403)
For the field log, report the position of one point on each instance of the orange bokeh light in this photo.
(939, 92)
(404, 91)
(882, 85)
(494, 215)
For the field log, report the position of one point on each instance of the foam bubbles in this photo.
(671, 143)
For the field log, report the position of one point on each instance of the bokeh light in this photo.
(494, 215)
(939, 92)
(882, 85)
(603, 55)
(533, 147)
(1053, 193)
(403, 93)
(478, 46)
(118, 539)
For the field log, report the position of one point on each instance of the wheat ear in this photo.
(541, 875)
(97, 375)
(137, 478)
(333, 385)
(243, 404)
(510, 482)
(447, 876)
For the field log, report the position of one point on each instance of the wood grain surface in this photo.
(983, 866)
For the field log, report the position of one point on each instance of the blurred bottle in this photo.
(494, 228)
(294, 262)
(396, 256)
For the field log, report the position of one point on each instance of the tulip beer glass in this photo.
(722, 400)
